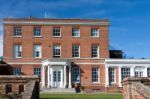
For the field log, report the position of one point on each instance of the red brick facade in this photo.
(85, 62)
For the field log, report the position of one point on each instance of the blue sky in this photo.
(130, 19)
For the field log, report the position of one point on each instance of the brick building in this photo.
(63, 52)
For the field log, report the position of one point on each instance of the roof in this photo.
(55, 21)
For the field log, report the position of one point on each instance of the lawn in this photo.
(82, 96)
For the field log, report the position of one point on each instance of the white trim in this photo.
(79, 51)
(97, 51)
(119, 76)
(53, 50)
(55, 23)
(106, 76)
(95, 36)
(16, 36)
(76, 36)
(34, 51)
(114, 75)
(90, 63)
(53, 32)
(42, 63)
(37, 36)
(98, 76)
(127, 61)
(127, 65)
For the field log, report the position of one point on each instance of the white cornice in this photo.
(54, 23)
(54, 63)
(127, 61)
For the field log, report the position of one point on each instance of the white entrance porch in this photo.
(56, 73)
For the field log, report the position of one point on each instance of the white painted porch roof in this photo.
(56, 61)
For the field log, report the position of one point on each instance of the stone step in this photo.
(57, 90)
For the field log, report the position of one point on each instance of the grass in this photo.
(82, 96)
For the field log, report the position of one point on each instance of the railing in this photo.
(142, 89)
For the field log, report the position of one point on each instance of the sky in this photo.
(129, 19)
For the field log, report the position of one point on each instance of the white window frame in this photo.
(56, 56)
(18, 51)
(53, 32)
(125, 72)
(35, 34)
(73, 75)
(76, 31)
(17, 71)
(114, 75)
(17, 32)
(37, 71)
(74, 52)
(92, 30)
(95, 45)
(98, 70)
(37, 50)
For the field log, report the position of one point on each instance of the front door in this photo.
(57, 77)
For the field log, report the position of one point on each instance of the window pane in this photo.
(75, 74)
(75, 32)
(17, 31)
(111, 75)
(95, 51)
(56, 51)
(56, 32)
(17, 71)
(17, 51)
(75, 51)
(37, 31)
(37, 51)
(125, 72)
(37, 71)
(95, 75)
(95, 32)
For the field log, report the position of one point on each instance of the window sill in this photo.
(17, 36)
(75, 36)
(95, 82)
(37, 36)
(17, 57)
(56, 36)
(95, 36)
(37, 57)
(76, 57)
(95, 57)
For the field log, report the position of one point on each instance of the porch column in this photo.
(132, 72)
(65, 76)
(119, 72)
(51, 76)
(43, 76)
(48, 79)
(69, 77)
(145, 72)
(106, 77)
